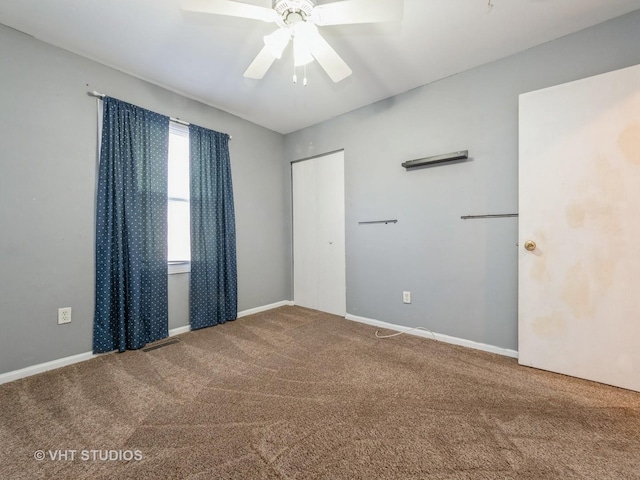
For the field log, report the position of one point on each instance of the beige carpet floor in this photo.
(298, 394)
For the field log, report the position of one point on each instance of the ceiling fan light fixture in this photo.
(303, 37)
(277, 41)
(301, 53)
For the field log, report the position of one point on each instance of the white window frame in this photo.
(175, 267)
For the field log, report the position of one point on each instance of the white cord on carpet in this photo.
(406, 331)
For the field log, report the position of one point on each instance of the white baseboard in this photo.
(264, 308)
(438, 336)
(44, 367)
(81, 357)
(179, 330)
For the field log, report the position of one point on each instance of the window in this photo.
(179, 236)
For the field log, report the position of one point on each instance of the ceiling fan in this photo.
(298, 20)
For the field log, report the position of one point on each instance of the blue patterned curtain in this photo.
(214, 280)
(131, 229)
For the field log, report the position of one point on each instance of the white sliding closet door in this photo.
(318, 234)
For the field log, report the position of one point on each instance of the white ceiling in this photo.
(203, 56)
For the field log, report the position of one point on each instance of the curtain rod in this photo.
(176, 120)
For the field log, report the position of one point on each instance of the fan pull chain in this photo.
(295, 75)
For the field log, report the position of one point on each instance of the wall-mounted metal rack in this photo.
(498, 215)
(437, 159)
(378, 221)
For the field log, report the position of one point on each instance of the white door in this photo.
(319, 234)
(579, 290)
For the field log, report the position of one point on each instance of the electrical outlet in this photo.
(406, 297)
(64, 315)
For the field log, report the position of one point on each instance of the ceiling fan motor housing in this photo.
(293, 11)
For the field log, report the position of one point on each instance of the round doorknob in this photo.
(530, 245)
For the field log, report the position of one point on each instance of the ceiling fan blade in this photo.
(358, 11)
(329, 59)
(260, 65)
(263, 3)
(230, 8)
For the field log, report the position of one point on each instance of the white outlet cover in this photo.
(64, 315)
(406, 297)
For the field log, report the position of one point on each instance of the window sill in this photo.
(179, 267)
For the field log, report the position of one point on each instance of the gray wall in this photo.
(47, 182)
(462, 274)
